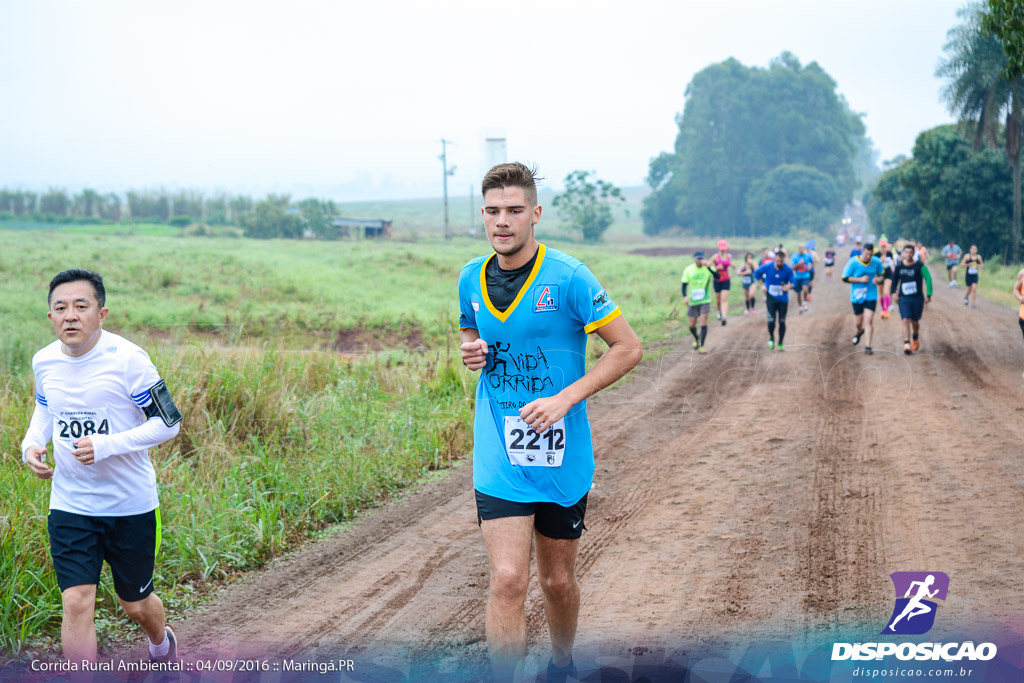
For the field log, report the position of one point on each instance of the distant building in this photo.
(367, 228)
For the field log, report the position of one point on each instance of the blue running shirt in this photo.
(802, 265)
(536, 348)
(863, 291)
(774, 278)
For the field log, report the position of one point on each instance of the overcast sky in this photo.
(349, 100)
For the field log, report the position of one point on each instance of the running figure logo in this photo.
(914, 613)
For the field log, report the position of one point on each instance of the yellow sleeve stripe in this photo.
(466, 328)
(603, 321)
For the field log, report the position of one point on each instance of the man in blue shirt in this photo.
(952, 253)
(525, 313)
(777, 278)
(864, 273)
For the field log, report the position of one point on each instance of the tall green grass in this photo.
(274, 445)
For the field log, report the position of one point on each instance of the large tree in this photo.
(738, 124)
(981, 95)
(793, 196)
(1005, 20)
(948, 190)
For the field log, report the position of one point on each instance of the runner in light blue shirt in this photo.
(864, 273)
(524, 315)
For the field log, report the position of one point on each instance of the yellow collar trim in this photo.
(502, 317)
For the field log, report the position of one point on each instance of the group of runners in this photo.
(971, 262)
(707, 279)
(891, 275)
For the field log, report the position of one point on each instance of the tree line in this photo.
(759, 151)
(963, 181)
(276, 215)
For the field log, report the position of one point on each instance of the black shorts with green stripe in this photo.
(80, 543)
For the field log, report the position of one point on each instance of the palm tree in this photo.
(980, 96)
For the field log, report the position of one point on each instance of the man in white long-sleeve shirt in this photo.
(102, 403)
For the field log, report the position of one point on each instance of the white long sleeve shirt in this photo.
(101, 395)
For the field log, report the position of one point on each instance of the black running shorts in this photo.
(911, 307)
(549, 519)
(721, 285)
(858, 308)
(80, 543)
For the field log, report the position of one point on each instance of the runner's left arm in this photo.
(149, 434)
(141, 376)
(927, 275)
(590, 306)
(623, 354)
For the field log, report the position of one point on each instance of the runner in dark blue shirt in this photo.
(777, 278)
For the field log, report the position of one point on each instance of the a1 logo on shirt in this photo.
(545, 298)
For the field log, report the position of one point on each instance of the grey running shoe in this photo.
(172, 651)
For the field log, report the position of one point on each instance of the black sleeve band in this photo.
(684, 289)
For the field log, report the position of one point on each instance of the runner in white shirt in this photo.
(102, 403)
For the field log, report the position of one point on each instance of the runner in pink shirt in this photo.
(721, 263)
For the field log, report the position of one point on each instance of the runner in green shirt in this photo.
(697, 296)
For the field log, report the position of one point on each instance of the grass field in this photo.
(316, 378)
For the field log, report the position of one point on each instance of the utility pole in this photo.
(447, 172)
(472, 213)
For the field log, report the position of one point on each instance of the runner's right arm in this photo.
(474, 349)
(33, 446)
(847, 269)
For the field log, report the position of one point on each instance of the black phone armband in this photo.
(163, 405)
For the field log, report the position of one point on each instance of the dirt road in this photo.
(741, 494)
